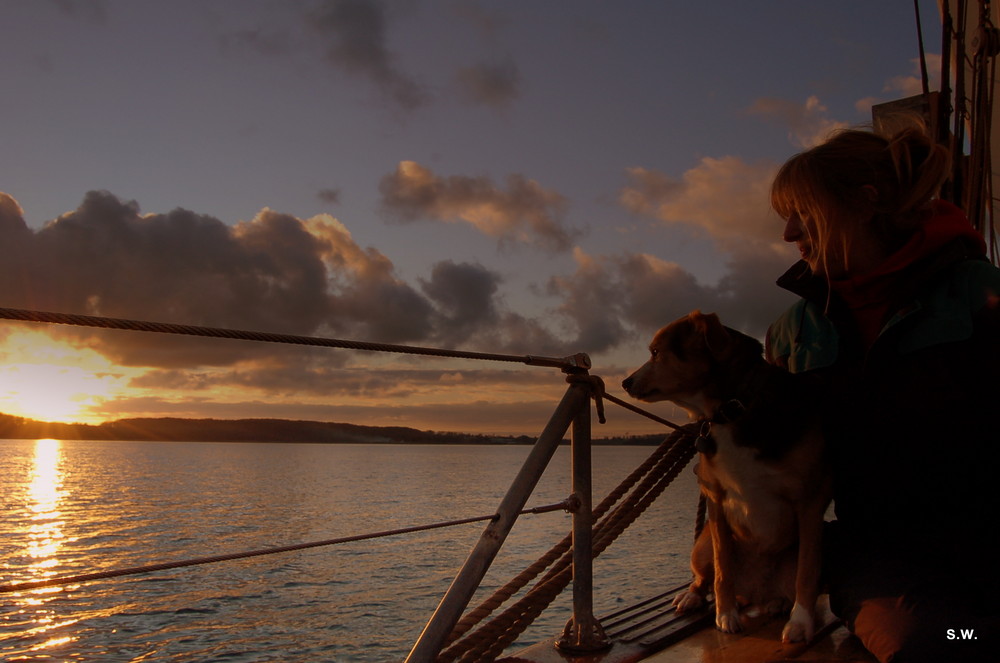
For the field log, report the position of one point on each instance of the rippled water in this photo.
(71, 507)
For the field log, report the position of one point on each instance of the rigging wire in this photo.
(149, 568)
(572, 362)
(924, 79)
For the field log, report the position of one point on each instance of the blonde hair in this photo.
(857, 171)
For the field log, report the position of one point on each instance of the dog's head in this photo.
(689, 360)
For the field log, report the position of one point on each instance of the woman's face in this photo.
(800, 229)
(849, 248)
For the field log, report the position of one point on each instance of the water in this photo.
(70, 507)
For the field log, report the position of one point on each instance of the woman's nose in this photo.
(793, 229)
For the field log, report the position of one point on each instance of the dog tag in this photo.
(705, 444)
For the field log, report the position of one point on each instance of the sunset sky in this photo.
(518, 177)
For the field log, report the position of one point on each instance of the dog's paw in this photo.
(728, 621)
(800, 626)
(687, 601)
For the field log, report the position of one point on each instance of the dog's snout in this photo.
(627, 383)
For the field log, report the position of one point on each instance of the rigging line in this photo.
(920, 43)
(639, 410)
(136, 570)
(572, 362)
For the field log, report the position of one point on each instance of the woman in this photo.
(899, 320)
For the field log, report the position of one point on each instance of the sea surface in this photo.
(73, 507)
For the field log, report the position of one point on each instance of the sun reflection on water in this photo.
(45, 490)
(45, 538)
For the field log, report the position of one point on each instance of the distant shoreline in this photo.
(170, 429)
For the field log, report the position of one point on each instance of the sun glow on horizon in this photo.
(50, 380)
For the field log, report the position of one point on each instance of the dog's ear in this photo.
(717, 338)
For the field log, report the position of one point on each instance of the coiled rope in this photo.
(489, 641)
(150, 568)
(576, 362)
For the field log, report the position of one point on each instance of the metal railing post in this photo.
(583, 633)
(449, 611)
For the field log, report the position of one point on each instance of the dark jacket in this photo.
(911, 417)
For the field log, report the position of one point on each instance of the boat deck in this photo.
(652, 632)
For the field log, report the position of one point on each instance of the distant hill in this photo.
(169, 429)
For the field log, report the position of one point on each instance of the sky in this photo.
(518, 177)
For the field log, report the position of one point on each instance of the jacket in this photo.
(909, 419)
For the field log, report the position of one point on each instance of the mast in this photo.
(962, 114)
(972, 41)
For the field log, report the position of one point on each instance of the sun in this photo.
(49, 380)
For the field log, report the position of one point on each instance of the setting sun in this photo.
(49, 380)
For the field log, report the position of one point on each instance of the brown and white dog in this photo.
(761, 468)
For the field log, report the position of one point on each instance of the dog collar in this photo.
(727, 413)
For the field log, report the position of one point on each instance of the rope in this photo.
(577, 361)
(502, 594)
(136, 570)
(491, 639)
(649, 415)
(512, 623)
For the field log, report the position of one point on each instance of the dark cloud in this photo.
(274, 273)
(522, 213)
(283, 274)
(354, 31)
(469, 313)
(490, 84)
(331, 196)
(465, 297)
(625, 298)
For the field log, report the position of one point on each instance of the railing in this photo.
(583, 633)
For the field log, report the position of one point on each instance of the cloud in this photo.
(725, 198)
(490, 84)
(912, 85)
(280, 273)
(905, 86)
(808, 124)
(355, 34)
(469, 308)
(273, 273)
(331, 196)
(465, 297)
(522, 213)
(616, 299)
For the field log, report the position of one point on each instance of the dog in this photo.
(762, 469)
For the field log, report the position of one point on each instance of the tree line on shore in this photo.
(171, 429)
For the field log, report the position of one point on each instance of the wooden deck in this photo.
(652, 632)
